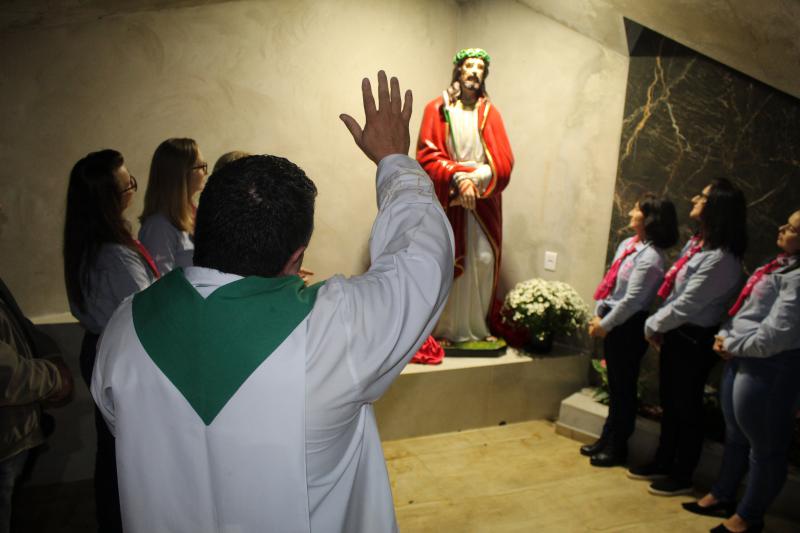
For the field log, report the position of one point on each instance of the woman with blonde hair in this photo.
(229, 157)
(177, 173)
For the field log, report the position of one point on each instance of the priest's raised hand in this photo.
(385, 131)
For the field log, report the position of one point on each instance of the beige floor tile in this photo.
(523, 478)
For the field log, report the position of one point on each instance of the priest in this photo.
(240, 398)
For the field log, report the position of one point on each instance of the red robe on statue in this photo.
(434, 157)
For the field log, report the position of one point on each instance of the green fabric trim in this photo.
(450, 129)
(208, 347)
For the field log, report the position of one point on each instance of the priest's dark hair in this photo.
(724, 218)
(253, 214)
(660, 220)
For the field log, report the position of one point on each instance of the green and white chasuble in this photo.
(244, 405)
(235, 358)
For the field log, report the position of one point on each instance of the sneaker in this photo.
(649, 472)
(670, 487)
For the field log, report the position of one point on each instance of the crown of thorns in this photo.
(479, 53)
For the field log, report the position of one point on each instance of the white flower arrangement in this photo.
(545, 308)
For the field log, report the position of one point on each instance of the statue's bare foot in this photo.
(444, 343)
(491, 338)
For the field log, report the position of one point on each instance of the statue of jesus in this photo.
(464, 148)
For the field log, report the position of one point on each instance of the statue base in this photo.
(483, 348)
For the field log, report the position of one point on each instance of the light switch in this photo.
(550, 259)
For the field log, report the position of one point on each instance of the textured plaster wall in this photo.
(272, 77)
(260, 76)
(562, 97)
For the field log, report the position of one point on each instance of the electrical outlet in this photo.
(550, 259)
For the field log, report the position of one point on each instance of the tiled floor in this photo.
(518, 477)
(524, 477)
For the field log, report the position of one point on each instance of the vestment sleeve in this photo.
(24, 381)
(386, 314)
(778, 332)
(113, 346)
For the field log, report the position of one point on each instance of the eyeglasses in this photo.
(203, 166)
(133, 186)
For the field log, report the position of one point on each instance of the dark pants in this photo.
(624, 347)
(758, 397)
(106, 493)
(685, 362)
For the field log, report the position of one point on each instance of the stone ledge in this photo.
(474, 392)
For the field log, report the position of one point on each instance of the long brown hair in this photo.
(94, 217)
(168, 185)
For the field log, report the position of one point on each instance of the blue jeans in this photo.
(757, 397)
(10, 470)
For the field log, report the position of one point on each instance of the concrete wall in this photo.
(260, 76)
(273, 77)
(562, 97)
(758, 38)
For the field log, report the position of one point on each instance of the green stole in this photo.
(208, 347)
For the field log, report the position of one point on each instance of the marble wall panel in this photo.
(689, 119)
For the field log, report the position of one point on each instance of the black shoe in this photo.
(608, 458)
(719, 509)
(596, 447)
(648, 472)
(670, 487)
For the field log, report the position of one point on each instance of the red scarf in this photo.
(147, 257)
(610, 279)
(769, 268)
(695, 245)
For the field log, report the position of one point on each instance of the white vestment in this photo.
(296, 448)
(464, 316)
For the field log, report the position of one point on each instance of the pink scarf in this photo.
(669, 280)
(610, 279)
(769, 268)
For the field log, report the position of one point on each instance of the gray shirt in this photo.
(117, 273)
(170, 247)
(768, 322)
(638, 279)
(703, 290)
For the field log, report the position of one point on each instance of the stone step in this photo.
(581, 418)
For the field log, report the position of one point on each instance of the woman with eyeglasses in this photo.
(624, 297)
(103, 265)
(177, 174)
(697, 291)
(760, 385)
